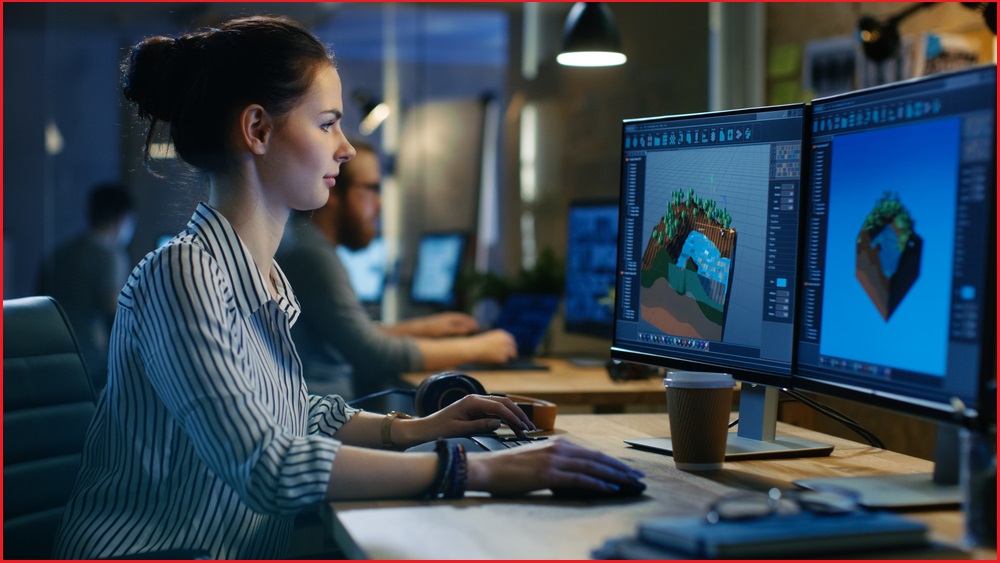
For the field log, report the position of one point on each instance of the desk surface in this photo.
(539, 527)
(564, 383)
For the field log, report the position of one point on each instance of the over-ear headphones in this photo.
(442, 389)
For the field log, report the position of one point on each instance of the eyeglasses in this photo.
(747, 505)
(374, 189)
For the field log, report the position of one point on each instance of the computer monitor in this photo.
(438, 265)
(367, 269)
(707, 257)
(591, 253)
(899, 280)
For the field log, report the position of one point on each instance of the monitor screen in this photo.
(707, 258)
(591, 251)
(367, 269)
(438, 264)
(708, 241)
(899, 278)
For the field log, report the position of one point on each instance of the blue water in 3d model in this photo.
(889, 251)
(706, 255)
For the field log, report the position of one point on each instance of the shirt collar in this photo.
(234, 257)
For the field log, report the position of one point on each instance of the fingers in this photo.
(498, 406)
(522, 417)
(576, 466)
(555, 464)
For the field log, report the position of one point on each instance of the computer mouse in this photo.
(632, 489)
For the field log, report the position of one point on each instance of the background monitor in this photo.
(591, 253)
(367, 269)
(707, 256)
(438, 265)
(899, 280)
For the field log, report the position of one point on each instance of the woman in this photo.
(205, 437)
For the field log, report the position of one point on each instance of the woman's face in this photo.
(307, 147)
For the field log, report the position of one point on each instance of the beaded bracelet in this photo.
(452, 472)
(459, 473)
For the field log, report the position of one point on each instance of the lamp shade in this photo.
(590, 37)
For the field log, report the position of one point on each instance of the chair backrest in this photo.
(48, 401)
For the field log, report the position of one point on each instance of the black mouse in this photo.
(632, 489)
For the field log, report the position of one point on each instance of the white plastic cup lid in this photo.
(698, 379)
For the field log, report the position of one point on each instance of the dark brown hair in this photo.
(199, 82)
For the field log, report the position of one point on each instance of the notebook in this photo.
(526, 316)
(799, 535)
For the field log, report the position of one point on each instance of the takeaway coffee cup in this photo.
(698, 404)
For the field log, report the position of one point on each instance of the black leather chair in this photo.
(48, 401)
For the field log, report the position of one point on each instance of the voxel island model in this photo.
(686, 268)
(888, 254)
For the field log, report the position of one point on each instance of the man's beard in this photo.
(355, 233)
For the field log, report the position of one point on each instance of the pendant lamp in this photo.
(590, 37)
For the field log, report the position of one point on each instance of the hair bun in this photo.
(150, 77)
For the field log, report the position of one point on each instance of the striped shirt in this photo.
(205, 437)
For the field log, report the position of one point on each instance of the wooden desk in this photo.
(566, 384)
(539, 527)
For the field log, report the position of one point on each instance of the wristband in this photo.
(387, 427)
(451, 476)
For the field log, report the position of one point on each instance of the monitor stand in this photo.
(587, 361)
(755, 436)
(914, 490)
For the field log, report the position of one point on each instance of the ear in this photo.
(256, 125)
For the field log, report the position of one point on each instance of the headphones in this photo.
(442, 389)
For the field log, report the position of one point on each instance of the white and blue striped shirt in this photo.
(205, 437)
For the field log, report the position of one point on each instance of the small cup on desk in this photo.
(698, 405)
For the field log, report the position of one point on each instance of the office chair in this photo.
(48, 401)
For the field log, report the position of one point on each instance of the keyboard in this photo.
(483, 443)
(522, 363)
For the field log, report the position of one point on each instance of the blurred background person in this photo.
(343, 350)
(86, 273)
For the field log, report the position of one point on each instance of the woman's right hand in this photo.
(551, 463)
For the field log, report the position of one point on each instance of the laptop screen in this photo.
(439, 261)
(526, 316)
(367, 269)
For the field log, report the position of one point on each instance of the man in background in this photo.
(343, 351)
(86, 273)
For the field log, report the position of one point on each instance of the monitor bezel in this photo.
(463, 237)
(588, 328)
(937, 411)
(664, 360)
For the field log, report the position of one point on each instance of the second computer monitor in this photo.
(438, 265)
(708, 241)
(900, 292)
(899, 301)
(591, 251)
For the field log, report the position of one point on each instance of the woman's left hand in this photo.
(472, 414)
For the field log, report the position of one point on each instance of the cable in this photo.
(371, 396)
(842, 418)
(850, 423)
